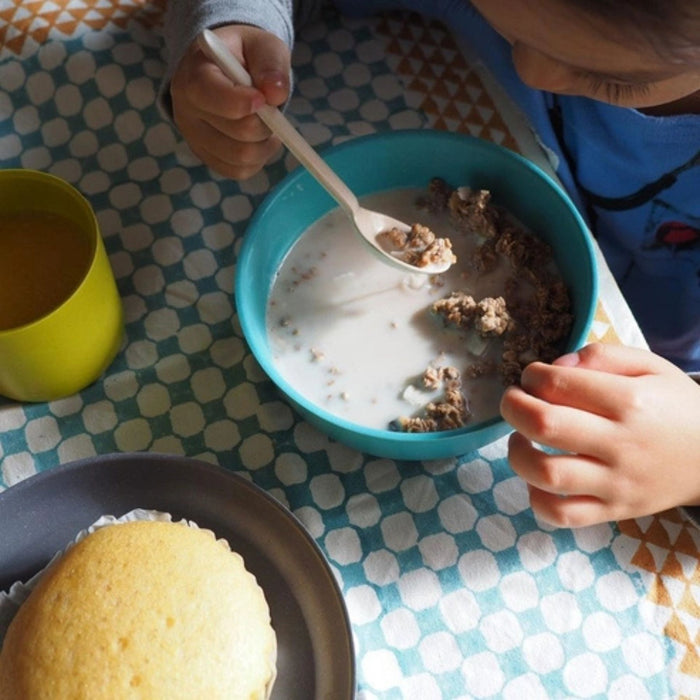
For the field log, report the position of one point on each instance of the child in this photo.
(612, 88)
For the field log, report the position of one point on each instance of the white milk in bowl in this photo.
(377, 346)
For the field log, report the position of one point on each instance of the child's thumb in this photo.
(269, 63)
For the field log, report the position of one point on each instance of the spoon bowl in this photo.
(369, 224)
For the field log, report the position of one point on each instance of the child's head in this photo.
(632, 53)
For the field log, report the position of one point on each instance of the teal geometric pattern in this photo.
(453, 588)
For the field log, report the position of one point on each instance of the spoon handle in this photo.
(218, 52)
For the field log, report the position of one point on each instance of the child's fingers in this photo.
(568, 511)
(230, 158)
(208, 90)
(558, 426)
(228, 139)
(240, 169)
(559, 474)
(614, 359)
(248, 129)
(582, 388)
(268, 62)
(608, 380)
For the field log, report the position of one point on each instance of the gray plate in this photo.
(40, 515)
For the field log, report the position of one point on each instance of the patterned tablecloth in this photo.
(453, 588)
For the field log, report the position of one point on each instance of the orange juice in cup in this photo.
(61, 319)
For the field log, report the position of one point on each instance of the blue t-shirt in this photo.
(636, 179)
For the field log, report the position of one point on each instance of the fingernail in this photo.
(569, 360)
(272, 78)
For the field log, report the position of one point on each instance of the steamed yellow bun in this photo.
(142, 609)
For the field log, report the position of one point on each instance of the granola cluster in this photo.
(452, 411)
(489, 317)
(529, 321)
(419, 246)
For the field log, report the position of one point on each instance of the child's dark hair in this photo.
(672, 27)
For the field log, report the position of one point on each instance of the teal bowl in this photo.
(403, 159)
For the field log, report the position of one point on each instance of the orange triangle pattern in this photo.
(24, 21)
(450, 93)
(683, 625)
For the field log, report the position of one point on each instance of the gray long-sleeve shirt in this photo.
(186, 18)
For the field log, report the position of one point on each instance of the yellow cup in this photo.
(65, 347)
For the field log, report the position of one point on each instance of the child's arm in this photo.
(216, 117)
(627, 423)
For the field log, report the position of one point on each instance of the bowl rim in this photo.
(290, 179)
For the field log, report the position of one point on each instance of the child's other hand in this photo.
(216, 117)
(629, 424)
